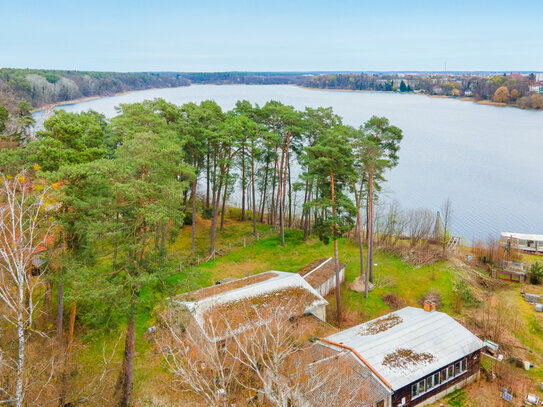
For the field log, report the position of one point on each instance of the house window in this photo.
(450, 372)
(430, 383)
(437, 380)
(457, 369)
(444, 375)
(464, 365)
(418, 388)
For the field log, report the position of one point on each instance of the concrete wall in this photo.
(330, 285)
(320, 312)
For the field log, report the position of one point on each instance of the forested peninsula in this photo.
(41, 87)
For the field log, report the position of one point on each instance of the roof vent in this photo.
(429, 306)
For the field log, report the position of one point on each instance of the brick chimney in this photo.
(429, 306)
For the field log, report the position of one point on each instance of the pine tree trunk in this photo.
(60, 311)
(289, 197)
(47, 299)
(278, 202)
(263, 195)
(67, 357)
(123, 388)
(243, 183)
(271, 212)
(255, 233)
(370, 225)
(193, 237)
(163, 238)
(336, 255)
(224, 203)
(157, 236)
(213, 230)
(207, 182)
(360, 241)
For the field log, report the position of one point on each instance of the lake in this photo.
(486, 159)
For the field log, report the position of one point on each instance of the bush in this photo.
(187, 219)
(393, 301)
(462, 296)
(207, 213)
(536, 273)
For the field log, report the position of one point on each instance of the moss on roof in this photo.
(322, 274)
(233, 315)
(225, 287)
(380, 325)
(406, 358)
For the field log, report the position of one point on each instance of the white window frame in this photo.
(451, 373)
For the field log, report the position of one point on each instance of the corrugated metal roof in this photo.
(522, 236)
(225, 302)
(434, 333)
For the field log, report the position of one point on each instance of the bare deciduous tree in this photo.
(271, 361)
(446, 215)
(23, 229)
(420, 225)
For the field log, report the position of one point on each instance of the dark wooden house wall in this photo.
(474, 365)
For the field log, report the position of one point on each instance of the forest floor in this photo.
(243, 255)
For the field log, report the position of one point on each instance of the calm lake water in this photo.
(486, 159)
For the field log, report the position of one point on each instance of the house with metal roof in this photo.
(419, 355)
(522, 241)
(233, 307)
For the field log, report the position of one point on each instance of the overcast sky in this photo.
(278, 35)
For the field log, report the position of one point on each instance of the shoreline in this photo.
(51, 106)
(463, 98)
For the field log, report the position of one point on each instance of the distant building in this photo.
(418, 355)
(522, 241)
(437, 90)
(468, 92)
(536, 88)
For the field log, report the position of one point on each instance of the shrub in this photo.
(207, 213)
(187, 219)
(536, 273)
(393, 301)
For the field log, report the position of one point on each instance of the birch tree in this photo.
(23, 232)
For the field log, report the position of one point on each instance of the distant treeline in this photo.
(246, 78)
(41, 87)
